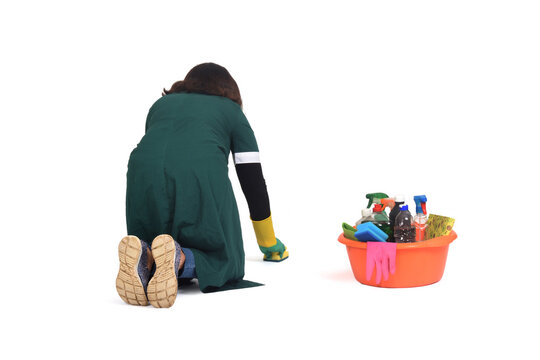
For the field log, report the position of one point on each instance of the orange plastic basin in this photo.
(417, 264)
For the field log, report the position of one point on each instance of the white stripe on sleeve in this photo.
(246, 157)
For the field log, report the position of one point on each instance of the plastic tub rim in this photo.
(435, 242)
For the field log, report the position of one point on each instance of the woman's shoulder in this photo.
(214, 100)
(199, 98)
(196, 104)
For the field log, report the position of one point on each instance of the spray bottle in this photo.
(388, 202)
(381, 220)
(375, 198)
(398, 200)
(379, 214)
(420, 219)
(367, 216)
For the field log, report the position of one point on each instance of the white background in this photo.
(404, 97)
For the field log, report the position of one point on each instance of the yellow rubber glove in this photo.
(272, 248)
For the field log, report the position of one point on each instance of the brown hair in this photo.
(209, 79)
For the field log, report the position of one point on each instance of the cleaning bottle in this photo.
(375, 198)
(398, 200)
(379, 214)
(404, 231)
(388, 202)
(420, 219)
(367, 216)
(381, 220)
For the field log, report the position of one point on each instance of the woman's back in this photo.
(194, 128)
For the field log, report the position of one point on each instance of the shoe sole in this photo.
(128, 282)
(163, 286)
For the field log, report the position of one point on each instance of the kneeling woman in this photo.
(180, 207)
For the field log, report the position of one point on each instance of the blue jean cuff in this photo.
(188, 271)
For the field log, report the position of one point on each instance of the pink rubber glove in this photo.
(381, 255)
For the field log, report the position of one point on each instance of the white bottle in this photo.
(367, 216)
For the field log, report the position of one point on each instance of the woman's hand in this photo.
(275, 253)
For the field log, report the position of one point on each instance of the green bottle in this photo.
(382, 221)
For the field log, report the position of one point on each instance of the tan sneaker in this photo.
(169, 258)
(134, 273)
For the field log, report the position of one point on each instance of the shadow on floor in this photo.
(188, 287)
(343, 276)
(254, 258)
